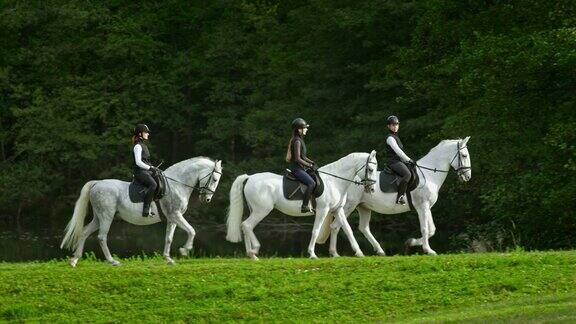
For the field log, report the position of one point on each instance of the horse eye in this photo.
(464, 155)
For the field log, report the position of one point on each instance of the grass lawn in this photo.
(539, 286)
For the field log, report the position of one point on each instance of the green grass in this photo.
(516, 287)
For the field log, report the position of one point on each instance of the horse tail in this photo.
(76, 224)
(236, 209)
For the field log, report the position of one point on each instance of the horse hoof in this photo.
(335, 255)
(313, 257)
(73, 262)
(170, 262)
(430, 252)
(115, 263)
(360, 255)
(183, 252)
(381, 253)
(253, 256)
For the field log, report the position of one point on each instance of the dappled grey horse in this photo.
(110, 198)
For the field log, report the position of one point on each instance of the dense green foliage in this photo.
(225, 78)
(480, 287)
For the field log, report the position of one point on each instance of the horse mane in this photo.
(181, 164)
(334, 165)
(441, 145)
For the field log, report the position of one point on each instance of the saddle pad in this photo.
(136, 189)
(136, 192)
(389, 180)
(294, 189)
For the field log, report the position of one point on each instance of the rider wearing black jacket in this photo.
(299, 162)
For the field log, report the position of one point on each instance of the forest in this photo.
(225, 78)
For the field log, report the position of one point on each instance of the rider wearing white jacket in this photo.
(397, 159)
(142, 167)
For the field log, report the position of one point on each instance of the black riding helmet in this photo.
(299, 123)
(392, 120)
(141, 128)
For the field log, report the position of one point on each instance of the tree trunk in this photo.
(173, 148)
(18, 215)
(233, 149)
(2, 150)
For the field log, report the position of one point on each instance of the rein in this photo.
(458, 169)
(202, 189)
(364, 182)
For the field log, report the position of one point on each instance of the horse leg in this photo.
(336, 226)
(431, 226)
(252, 243)
(105, 223)
(320, 216)
(170, 227)
(183, 224)
(424, 214)
(341, 216)
(88, 230)
(334, 230)
(364, 227)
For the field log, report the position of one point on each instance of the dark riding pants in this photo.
(404, 173)
(306, 179)
(145, 178)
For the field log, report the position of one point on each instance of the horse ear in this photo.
(219, 164)
(373, 153)
(464, 141)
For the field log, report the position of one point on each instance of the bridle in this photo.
(202, 190)
(460, 169)
(367, 183)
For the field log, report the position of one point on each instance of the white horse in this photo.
(263, 192)
(432, 170)
(110, 197)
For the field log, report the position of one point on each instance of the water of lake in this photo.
(125, 240)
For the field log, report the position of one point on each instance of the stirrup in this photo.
(401, 200)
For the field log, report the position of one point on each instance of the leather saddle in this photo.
(136, 189)
(389, 180)
(294, 189)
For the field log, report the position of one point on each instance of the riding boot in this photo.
(148, 198)
(146, 211)
(401, 200)
(401, 197)
(306, 202)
